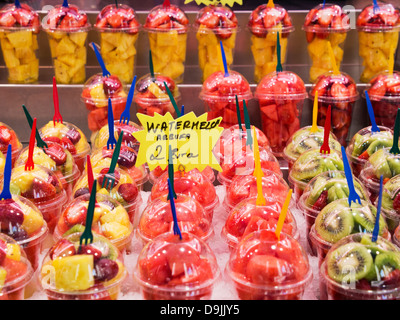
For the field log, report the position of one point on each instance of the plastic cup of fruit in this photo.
(219, 96)
(322, 190)
(95, 94)
(155, 174)
(265, 268)
(324, 24)
(157, 218)
(280, 96)
(118, 29)
(151, 96)
(365, 143)
(110, 220)
(390, 204)
(193, 184)
(303, 140)
(310, 164)
(378, 31)
(215, 24)
(67, 29)
(248, 217)
(356, 268)
(264, 24)
(15, 269)
(167, 28)
(8, 136)
(171, 268)
(340, 92)
(70, 137)
(337, 220)
(384, 94)
(19, 27)
(96, 271)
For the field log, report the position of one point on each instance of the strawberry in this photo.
(321, 202)
(5, 135)
(73, 216)
(56, 153)
(63, 248)
(364, 155)
(7, 20)
(67, 144)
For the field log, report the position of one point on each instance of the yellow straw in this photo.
(314, 127)
(258, 172)
(333, 60)
(271, 4)
(282, 216)
(391, 59)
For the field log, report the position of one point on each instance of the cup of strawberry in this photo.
(8, 136)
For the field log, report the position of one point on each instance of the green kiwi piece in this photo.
(380, 164)
(394, 165)
(377, 247)
(320, 185)
(386, 262)
(74, 229)
(378, 144)
(360, 145)
(365, 217)
(307, 172)
(309, 143)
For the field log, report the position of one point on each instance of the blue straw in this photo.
(374, 127)
(376, 7)
(224, 60)
(100, 60)
(173, 209)
(375, 232)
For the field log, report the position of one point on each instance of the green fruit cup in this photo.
(391, 203)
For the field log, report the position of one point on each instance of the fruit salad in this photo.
(8, 136)
(378, 32)
(391, 203)
(174, 268)
(119, 29)
(263, 267)
(19, 28)
(264, 23)
(93, 271)
(215, 24)
(280, 97)
(219, 94)
(67, 28)
(324, 24)
(167, 27)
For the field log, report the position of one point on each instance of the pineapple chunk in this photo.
(13, 251)
(174, 69)
(114, 230)
(154, 89)
(65, 46)
(61, 72)
(25, 53)
(167, 38)
(113, 38)
(3, 275)
(5, 44)
(33, 220)
(20, 39)
(97, 93)
(10, 58)
(79, 38)
(118, 215)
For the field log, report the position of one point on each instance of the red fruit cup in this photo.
(95, 94)
(171, 268)
(152, 97)
(157, 218)
(155, 174)
(8, 136)
(70, 137)
(118, 29)
(280, 97)
(264, 24)
(15, 269)
(219, 94)
(93, 271)
(391, 205)
(384, 94)
(263, 267)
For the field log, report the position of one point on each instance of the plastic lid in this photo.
(385, 18)
(166, 18)
(265, 19)
(157, 218)
(391, 197)
(8, 136)
(67, 19)
(152, 90)
(385, 85)
(326, 18)
(121, 18)
(217, 87)
(220, 19)
(16, 18)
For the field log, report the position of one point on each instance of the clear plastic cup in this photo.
(280, 97)
(170, 268)
(378, 31)
(219, 96)
(264, 24)
(67, 30)
(167, 28)
(384, 94)
(8, 136)
(340, 92)
(151, 96)
(110, 220)
(95, 94)
(248, 217)
(94, 271)
(356, 268)
(365, 143)
(118, 29)
(19, 28)
(324, 24)
(265, 268)
(390, 204)
(396, 236)
(157, 218)
(155, 174)
(215, 24)
(15, 269)
(338, 220)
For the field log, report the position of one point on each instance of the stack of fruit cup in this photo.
(215, 24)
(67, 28)
(19, 27)
(176, 268)
(155, 174)
(8, 136)
(93, 271)
(378, 34)
(15, 269)
(167, 27)
(390, 203)
(359, 267)
(325, 23)
(264, 24)
(119, 30)
(281, 97)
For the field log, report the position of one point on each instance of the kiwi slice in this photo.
(365, 217)
(380, 164)
(338, 191)
(305, 172)
(350, 262)
(386, 262)
(379, 144)
(74, 229)
(309, 143)
(394, 165)
(360, 145)
(377, 247)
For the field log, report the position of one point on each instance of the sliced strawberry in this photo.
(321, 202)
(67, 144)
(57, 153)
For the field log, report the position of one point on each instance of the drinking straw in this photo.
(171, 172)
(278, 54)
(282, 215)
(271, 4)
(249, 141)
(314, 127)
